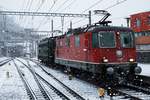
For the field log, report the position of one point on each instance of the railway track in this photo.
(63, 89)
(36, 92)
(132, 93)
(138, 89)
(55, 93)
(3, 62)
(129, 91)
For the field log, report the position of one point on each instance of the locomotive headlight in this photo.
(119, 53)
(105, 60)
(131, 60)
(137, 70)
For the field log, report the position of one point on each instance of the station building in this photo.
(140, 23)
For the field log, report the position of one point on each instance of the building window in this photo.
(138, 22)
(77, 41)
(136, 34)
(140, 34)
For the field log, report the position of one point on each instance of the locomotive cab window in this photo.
(127, 40)
(77, 41)
(103, 39)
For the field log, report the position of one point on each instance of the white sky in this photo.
(118, 13)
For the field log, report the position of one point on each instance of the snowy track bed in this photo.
(84, 89)
(4, 61)
(11, 85)
(38, 93)
(134, 95)
(60, 87)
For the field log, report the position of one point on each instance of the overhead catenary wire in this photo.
(22, 9)
(38, 8)
(26, 8)
(29, 8)
(71, 3)
(93, 5)
(109, 7)
(43, 22)
(30, 5)
(40, 5)
(118, 2)
(62, 5)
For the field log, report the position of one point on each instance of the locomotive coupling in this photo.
(110, 70)
(137, 70)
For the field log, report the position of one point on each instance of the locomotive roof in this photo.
(45, 40)
(95, 28)
(108, 28)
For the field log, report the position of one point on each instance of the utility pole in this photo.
(71, 25)
(62, 22)
(128, 21)
(52, 28)
(89, 17)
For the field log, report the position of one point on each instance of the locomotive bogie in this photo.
(99, 68)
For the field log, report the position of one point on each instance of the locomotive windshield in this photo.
(127, 39)
(103, 39)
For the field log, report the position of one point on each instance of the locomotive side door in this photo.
(87, 47)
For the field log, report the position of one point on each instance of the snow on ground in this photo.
(11, 86)
(28, 75)
(145, 69)
(3, 58)
(87, 90)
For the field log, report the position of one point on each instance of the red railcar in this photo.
(98, 49)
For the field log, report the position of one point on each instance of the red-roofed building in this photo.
(140, 23)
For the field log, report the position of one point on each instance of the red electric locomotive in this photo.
(98, 49)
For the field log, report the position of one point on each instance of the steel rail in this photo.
(129, 95)
(144, 90)
(28, 88)
(3, 62)
(53, 88)
(66, 87)
(42, 89)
